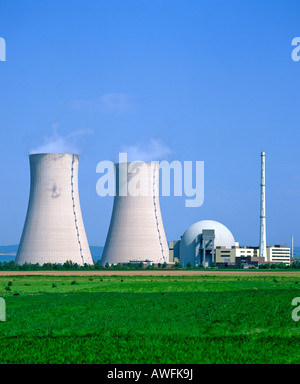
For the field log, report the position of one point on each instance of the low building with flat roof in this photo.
(279, 254)
(250, 256)
(237, 255)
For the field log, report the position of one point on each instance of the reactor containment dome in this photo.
(54, 231)
(193, 241)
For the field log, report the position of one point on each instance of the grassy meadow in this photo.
(241, 318)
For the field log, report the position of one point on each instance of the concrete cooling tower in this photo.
(136, 232)
(54, 230)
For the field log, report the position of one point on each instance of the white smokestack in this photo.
(262, 243)
(54, 230)
(136, 231)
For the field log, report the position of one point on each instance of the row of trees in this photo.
(294, 265)
(69, 266)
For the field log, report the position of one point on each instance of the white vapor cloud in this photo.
(154, 150)
(72, 143)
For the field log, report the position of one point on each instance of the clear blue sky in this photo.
(211, 80)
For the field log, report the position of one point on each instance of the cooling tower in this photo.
(54, 230)
(136, 231)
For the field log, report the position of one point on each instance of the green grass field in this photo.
(134, 319)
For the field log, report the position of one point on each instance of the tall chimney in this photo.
(262, 243)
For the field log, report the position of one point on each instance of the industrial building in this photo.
(199, 242)
(54, 231)
(250, 256)
(174, 251)
(238, 255)
(210, 243)
(196, 249)
(279, 254)
(136, 232)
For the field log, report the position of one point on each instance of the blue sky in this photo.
(211, 81)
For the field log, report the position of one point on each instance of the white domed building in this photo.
(199, 241)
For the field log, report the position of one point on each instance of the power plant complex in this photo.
(209, 243)
(54, 230)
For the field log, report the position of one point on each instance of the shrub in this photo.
(176, 265)
(150, 266)
(68, 265)
(47, 266)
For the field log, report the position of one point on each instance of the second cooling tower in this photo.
(136, 231)
(54, 230)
